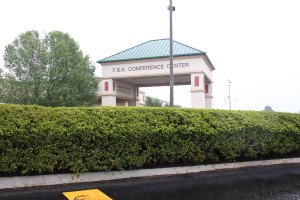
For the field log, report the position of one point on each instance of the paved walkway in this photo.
(277, 182)
(43, 180)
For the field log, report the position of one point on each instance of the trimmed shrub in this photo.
(37, 140)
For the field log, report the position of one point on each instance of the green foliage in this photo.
(1, 81)
(175, 106)
(38, 140)
(268, 108)
(153, 102)
(26, 61)
(49, 72)
(1, 73)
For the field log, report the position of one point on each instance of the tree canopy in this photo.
(268, 108)
(49, 71)
(154, 102)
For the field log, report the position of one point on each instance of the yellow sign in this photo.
(86, 195)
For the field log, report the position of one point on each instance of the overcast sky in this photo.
(254, 43)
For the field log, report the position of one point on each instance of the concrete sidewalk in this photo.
(43, 180)
(276, 182)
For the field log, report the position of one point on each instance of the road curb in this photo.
(43, 180)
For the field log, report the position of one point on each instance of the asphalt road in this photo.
(275, 182)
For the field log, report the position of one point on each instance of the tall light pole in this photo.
(229, 98)
(171, 8)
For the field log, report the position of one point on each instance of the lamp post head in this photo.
(173, 8)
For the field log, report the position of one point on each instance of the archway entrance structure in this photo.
(148, 65)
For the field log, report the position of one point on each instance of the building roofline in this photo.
(144, 58)
(104, 60)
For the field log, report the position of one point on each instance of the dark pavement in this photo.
(275, 182)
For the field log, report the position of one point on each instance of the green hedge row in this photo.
(38, 140)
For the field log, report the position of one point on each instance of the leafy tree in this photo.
(268, 108)
(175, 106)
(1, 73)
(50, 71)
(70, 74)
(26, 60)
(153, 102)
(1, 81)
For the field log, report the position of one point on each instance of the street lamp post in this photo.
(229, 98)
(171, 8)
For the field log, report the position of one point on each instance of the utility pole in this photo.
(229, 98)
(171, 8)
